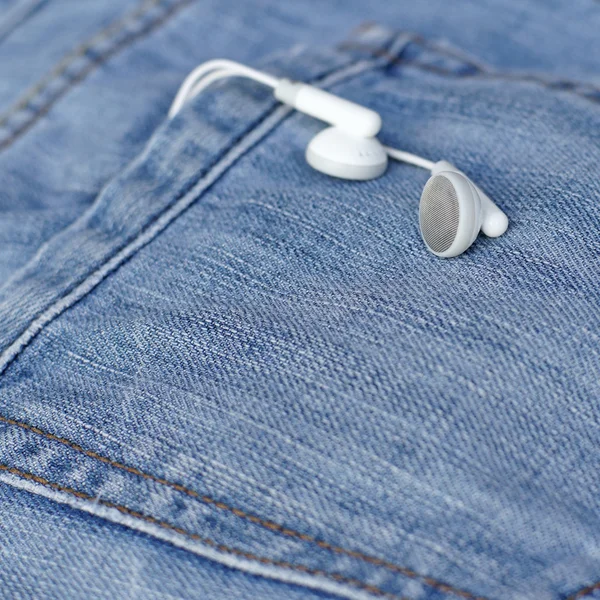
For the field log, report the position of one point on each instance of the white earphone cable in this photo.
(209, 79)
(409, 158)
(211, 71)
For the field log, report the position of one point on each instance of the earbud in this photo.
(348, 116)
(337, 153)
(452, 210)
(349, 149)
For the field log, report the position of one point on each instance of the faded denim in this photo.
(218, 360)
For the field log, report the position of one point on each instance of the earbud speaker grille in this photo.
(439, 213)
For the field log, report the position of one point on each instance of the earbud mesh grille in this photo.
(439, 213)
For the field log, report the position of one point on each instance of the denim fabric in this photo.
(70, 554)
(264, 367)
(85, 106)
(59, 27)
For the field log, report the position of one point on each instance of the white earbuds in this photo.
(452, 209)
(335, 152)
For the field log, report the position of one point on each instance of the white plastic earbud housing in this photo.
(337, 153)
(453, 210)
(495, 221)
(339, 112)
(349, 149)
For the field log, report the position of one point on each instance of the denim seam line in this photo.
(92, 61)
(18, 16)
(60, 69)
(588, 590)
(171, 211)
(127, 243)
(270, 525)
(133, 244)
(587, 91)
(338, 577)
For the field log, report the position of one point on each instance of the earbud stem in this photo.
(339, 112)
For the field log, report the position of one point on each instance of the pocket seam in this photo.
(18, 15)
(338, 577)
(582, 89)
(265, 523)
(584, 591)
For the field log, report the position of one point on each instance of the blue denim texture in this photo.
(97, 559)
(260, 371)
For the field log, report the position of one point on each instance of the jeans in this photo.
(226, 375)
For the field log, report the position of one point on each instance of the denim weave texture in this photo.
(225, 375)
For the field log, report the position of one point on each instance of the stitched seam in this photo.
(585, 591)
(424, 42)
(93, 61)
(130, 240)
(204, 172)
(480, 67)
(18, 16)
(270, 525)
(338, 577)
(560, 85)
(62, 66)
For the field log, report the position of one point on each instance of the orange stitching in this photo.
(194, 536)
(589, 589)
(406, 572)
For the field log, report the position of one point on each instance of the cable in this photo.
(209, 79)
(224, 68)
(409, 158)
(214, 70)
